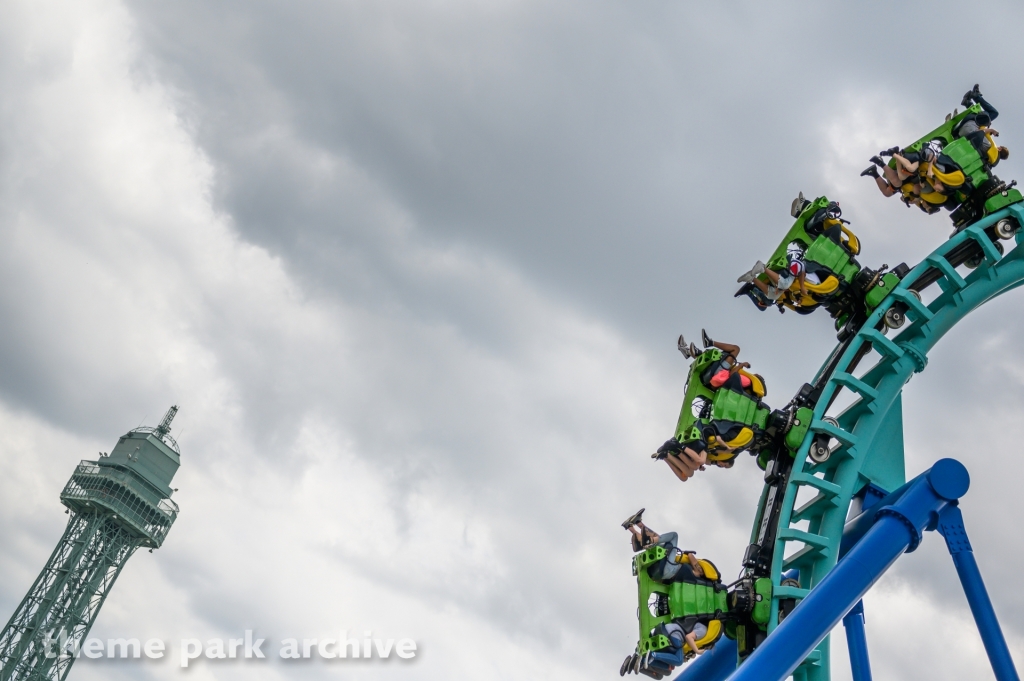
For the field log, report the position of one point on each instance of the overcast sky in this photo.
(414, 271)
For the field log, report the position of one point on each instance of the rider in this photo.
(716, 442)
(725, 373)
(677, 632)
(676, 566)
(976, 128)
(643, 536)
(897, 180)
(784, 279)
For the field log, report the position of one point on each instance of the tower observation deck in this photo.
(116, 504)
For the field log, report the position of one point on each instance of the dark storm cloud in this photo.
(505, 212)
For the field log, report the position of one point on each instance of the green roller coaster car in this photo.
(847, 290)
(705, 599)
(982, 192)
(708, 413)
(740, 611)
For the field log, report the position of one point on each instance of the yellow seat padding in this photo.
(934, 198)
(745, 437)
(950, 180)
(714, 631)
(993, 151)
(795, 297)
(826, 287)
(710, 571)
(756, 384)
(851, 241)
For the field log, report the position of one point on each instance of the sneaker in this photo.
(889, 152)
(683, 348)
(798, 205)
(633, 519)
(706, 339)
(748, 277)
(637, 659)
(626, 664)
(870, 170)
(693, 350)
(877, 160)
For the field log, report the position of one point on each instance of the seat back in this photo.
(729, 405)
(705, 601)
(756, 383)
(833, 257)
(963, 153)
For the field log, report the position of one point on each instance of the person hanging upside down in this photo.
(976, 127)
(896, 178)
(724, 373)
(711, 430)
(780, 281)
(643, 536)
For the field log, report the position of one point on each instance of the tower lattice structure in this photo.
(117, 504)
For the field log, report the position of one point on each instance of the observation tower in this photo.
(117, 504)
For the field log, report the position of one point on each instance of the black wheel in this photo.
(979, 257)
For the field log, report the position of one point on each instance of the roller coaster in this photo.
(836, 510)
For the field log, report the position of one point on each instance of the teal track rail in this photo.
(869, 434)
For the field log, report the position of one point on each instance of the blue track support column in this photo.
(896, 528)
(951, 526)
(714, 665)
(857, 640)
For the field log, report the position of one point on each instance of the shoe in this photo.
(681, 344)
(757, 269)
(671, 446)
(870, 170)
(633, 519)
(798, 205)
(877, 160)
(625, 665)
(706, 339)
(971, 95)
(636, 663)
(693, 350)
(889, 152)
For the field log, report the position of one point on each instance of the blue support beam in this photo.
(951, 526)
(857, 640)
(893, 528)
(714, 665)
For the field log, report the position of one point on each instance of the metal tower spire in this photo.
(117, 504)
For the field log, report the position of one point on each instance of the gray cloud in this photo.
(415, 272)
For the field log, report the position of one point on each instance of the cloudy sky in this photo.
(414, 272)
